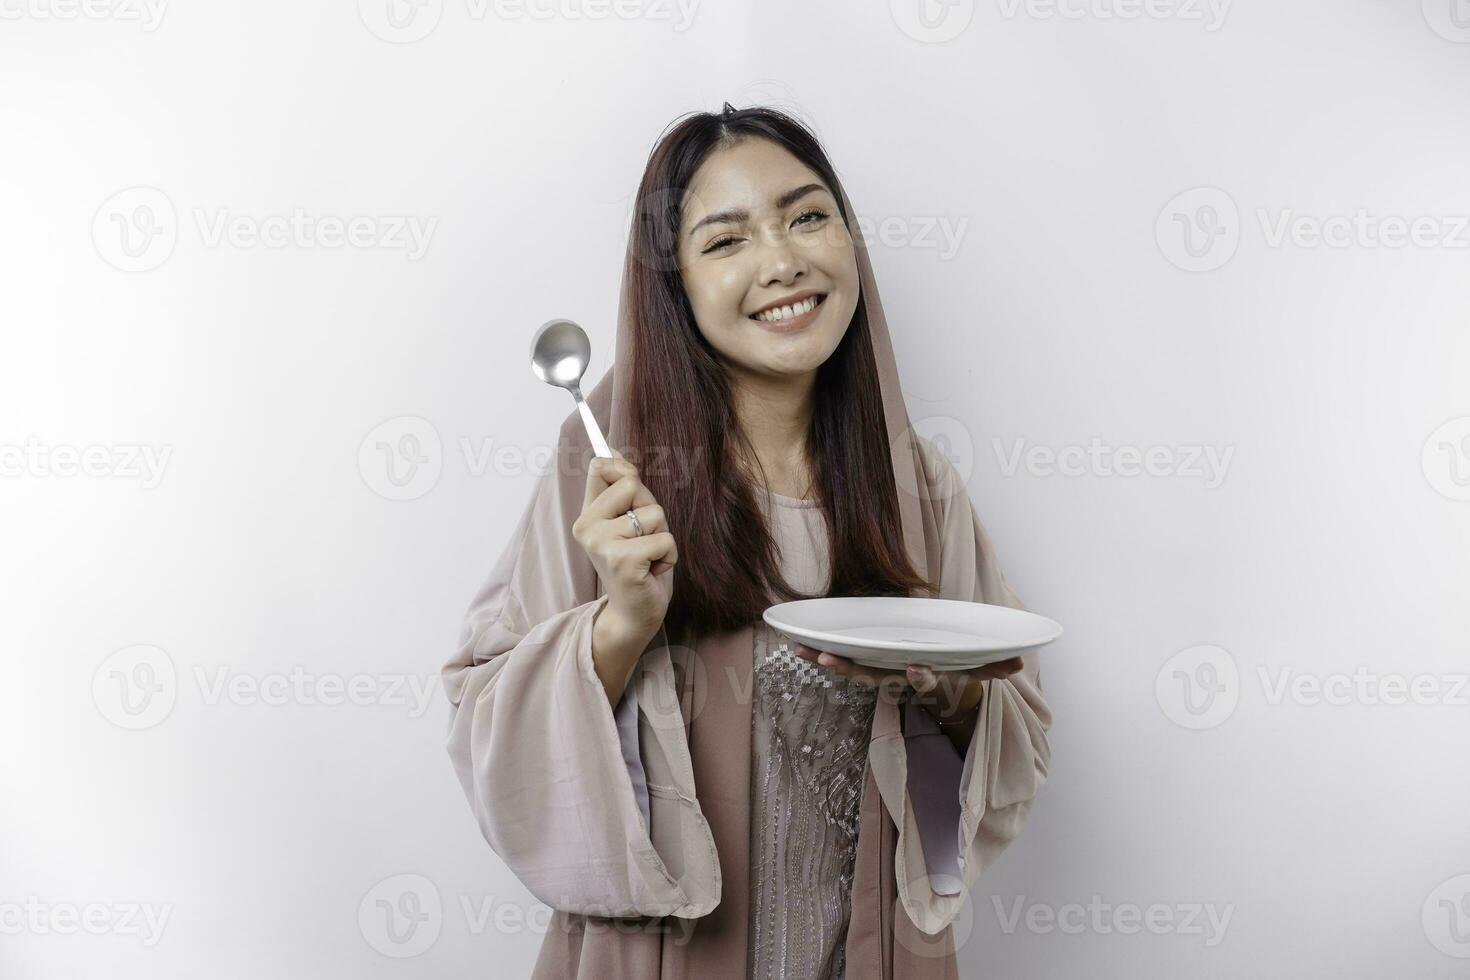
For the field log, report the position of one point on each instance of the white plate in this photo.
(894, 631)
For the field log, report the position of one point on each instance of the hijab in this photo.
(536, 744)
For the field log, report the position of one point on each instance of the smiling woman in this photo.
(720, 805)
(729, 364)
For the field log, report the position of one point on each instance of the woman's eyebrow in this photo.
(733, 215)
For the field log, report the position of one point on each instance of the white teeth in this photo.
(787, 312)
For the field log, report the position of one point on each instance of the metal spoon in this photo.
(559, 355)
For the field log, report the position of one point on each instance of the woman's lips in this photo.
(792, 324)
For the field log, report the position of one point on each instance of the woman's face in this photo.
(759, 230)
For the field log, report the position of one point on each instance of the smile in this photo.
(792, 316)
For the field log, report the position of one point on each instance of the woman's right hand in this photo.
(637, 570)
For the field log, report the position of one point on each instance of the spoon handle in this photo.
(594, 431)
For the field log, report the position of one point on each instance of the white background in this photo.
(1055, 141)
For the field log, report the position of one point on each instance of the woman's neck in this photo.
(775, 414)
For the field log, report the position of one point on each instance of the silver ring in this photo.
(637, 524)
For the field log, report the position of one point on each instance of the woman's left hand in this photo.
(951, 692)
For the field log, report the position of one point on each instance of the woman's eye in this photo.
(718, 244)
(816, 214)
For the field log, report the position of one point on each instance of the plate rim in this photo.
(1056, 629)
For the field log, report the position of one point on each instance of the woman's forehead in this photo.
(751, 176)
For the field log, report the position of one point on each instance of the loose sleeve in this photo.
(554, 777)
(956, 815)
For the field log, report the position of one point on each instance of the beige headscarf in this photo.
(558, 779)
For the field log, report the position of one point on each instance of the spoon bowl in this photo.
(560, 352)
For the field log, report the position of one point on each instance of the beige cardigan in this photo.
(536, 747)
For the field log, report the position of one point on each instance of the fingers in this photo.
(1001, 668)
(637, 553)
(923, 678)
(613, 488)
(651, 518)
(866, 676)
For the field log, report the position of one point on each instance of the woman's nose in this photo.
(780, 261)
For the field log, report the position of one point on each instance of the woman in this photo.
(695, 795)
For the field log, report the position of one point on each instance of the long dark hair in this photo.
(685, 435)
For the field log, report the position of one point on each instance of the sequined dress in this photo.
(809, 756)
